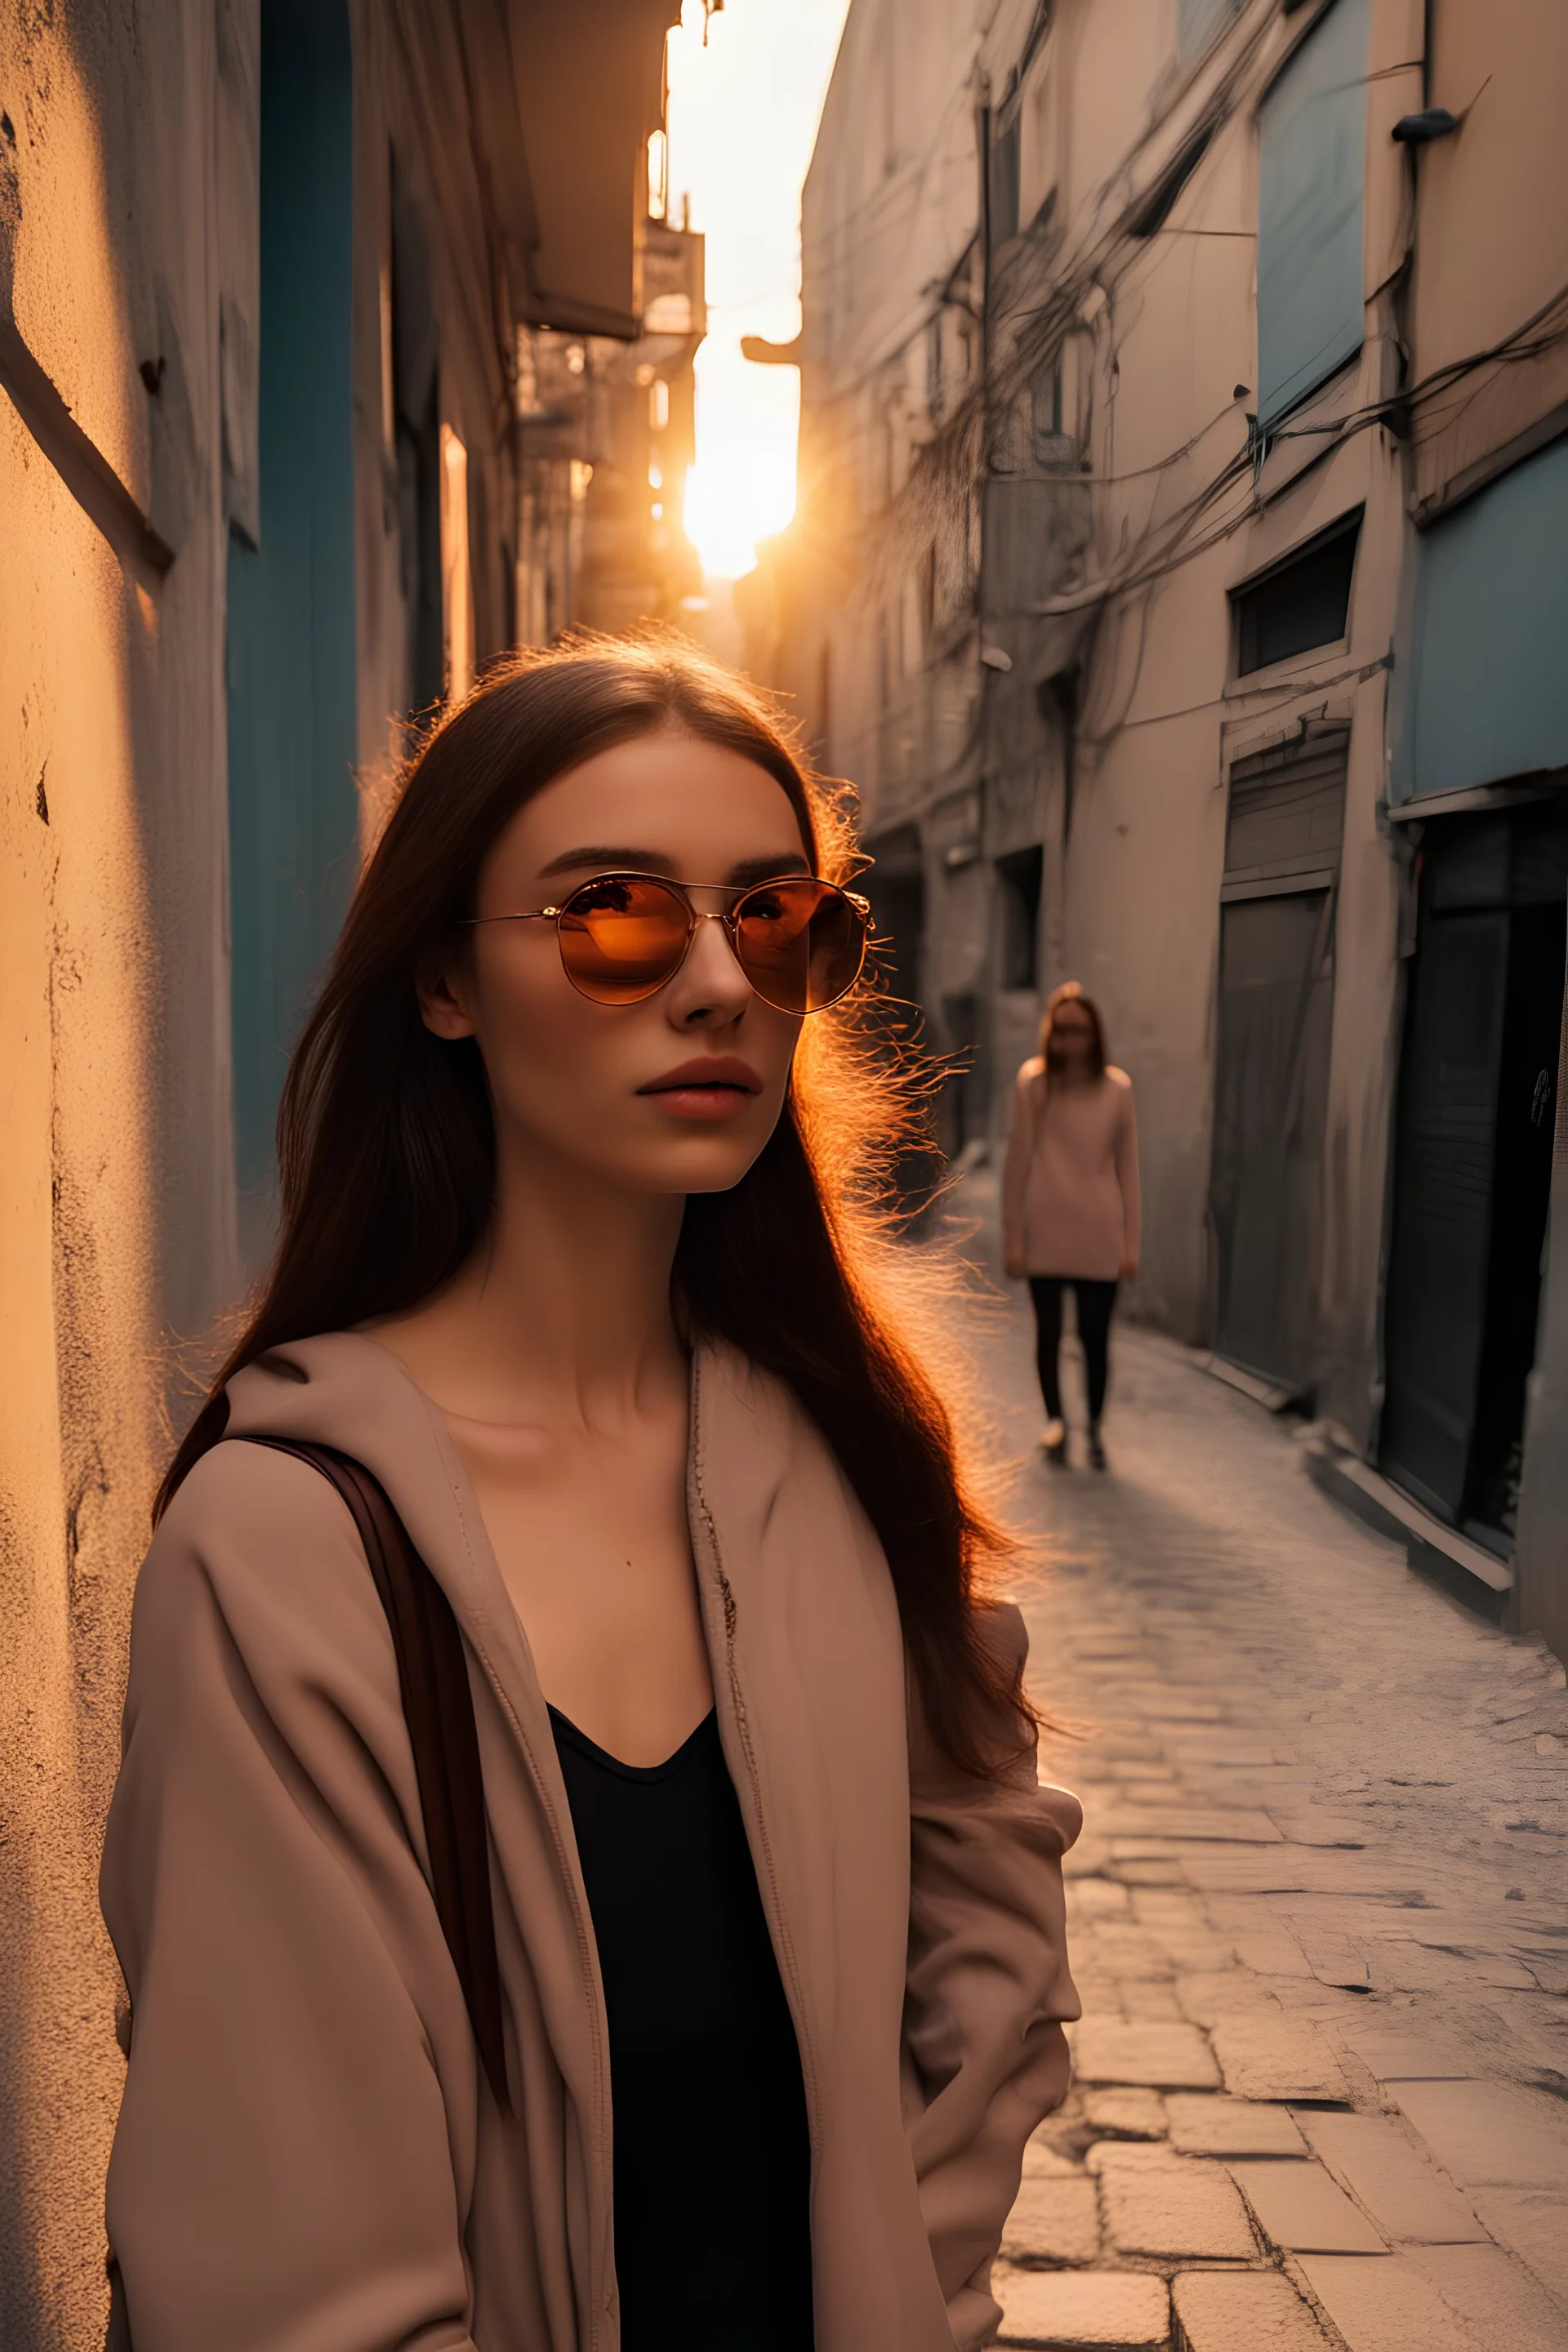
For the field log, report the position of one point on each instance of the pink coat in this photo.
(1069, 1187)
(308, 2153)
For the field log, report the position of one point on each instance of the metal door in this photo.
(1441, 1227)
(1275, 986)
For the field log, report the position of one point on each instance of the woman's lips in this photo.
(710, 1090)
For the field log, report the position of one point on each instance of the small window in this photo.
(1018, 880)
(1302, 603)
(1053, 445)
(1005, 160)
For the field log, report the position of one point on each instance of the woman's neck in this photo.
(564, 1311)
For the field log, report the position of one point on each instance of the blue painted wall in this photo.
(1311, 191)
(290, 642)
(1484, 694)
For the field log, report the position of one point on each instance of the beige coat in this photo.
(1069, 1185)
(308, 2159)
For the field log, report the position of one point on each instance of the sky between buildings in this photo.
(743, 117)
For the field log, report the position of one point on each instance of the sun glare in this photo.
(743, 117)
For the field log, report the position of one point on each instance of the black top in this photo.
(713, 2160)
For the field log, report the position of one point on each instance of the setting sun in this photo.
(743, 116)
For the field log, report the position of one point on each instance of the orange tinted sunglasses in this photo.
(800, 942)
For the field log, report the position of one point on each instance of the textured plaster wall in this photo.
(115, 1192)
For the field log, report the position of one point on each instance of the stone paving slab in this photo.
(1227, 1749)
(1488, 2135)
(1150, 1873)
(1309, 1825)
(1407, 2197)
(1044, 2159)
(1242, 2311)
(1504, 2305)
(1272, 2056)
(1054, 2220)
(1271, 1949)
(1129, 1951)
(1167, 2207)
(1083, 2311)
(1126, 2114)
(1209, 1996)
(1225, 2126)
(1299, 2207)
(1392, 2056)
(1386, 2305)
(1163, 2057)
(1340, 1960)
(1210, 1824)
(1533, 2222)
(1292, 1870)
(1102, 1898)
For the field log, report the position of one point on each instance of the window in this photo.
(1019, 877)
(934, 369)
(457, 576)
(1299, 603)
(1053, 445)
(1312, 171)
(1005, 157)
(1485, 691)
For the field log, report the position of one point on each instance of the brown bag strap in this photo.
(432, 1677)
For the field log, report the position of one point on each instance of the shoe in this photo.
(1054, 1442)
(1096, 1451)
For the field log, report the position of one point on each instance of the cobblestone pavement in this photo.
(1318, 1915)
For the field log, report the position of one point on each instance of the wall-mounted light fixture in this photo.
(1420, 130)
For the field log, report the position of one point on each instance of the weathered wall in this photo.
(1492, 249)
(116, 1233)
(1153, 340)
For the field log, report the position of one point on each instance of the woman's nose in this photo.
(709, 986)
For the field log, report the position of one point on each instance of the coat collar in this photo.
(344, 1389)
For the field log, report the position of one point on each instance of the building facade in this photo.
(1179, 574)
(606, 433)
(267, 267)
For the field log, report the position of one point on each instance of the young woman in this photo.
(579, 1258)
(1070, 1200)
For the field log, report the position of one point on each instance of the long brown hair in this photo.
(1071, 993)
(386, 1148)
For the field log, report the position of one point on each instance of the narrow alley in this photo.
(1041, 527)
(1317, 1916)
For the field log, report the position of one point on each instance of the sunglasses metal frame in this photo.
(739, 891)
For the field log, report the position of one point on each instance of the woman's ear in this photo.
(444, 985)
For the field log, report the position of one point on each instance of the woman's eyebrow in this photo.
(609, 861)
(763, 869)
(613, 860)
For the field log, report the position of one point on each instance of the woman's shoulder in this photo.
(1118, 1078)
(260, 1536)
(1035, 1067)
(242, 1486)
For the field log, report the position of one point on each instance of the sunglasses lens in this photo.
(801, 944)
(622, 937)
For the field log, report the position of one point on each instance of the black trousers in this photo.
(1095, 1302)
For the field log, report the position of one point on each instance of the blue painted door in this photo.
(290, 629)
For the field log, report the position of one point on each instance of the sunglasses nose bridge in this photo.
(730, 928)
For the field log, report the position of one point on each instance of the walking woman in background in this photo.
(613, 1910)
(1070, 1200)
